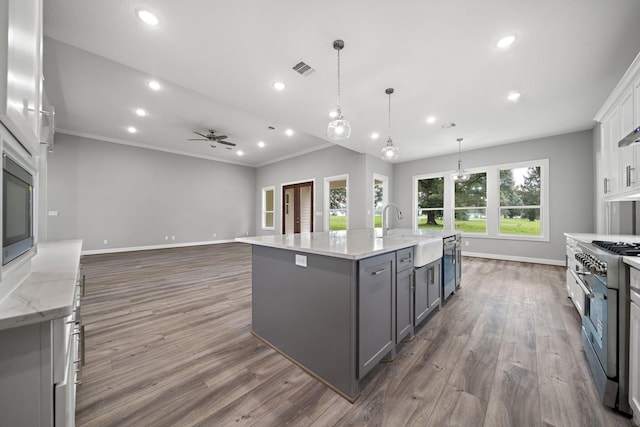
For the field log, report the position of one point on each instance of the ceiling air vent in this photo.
(303, 69)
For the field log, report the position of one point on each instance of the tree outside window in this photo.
(520, 206)
(431, 203)
(471, 204)
(338, 205)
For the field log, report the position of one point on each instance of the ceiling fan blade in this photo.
(219, 137)
(227, 143)
(201, 134)
(197, 139)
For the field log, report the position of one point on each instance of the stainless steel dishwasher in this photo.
(451, 265)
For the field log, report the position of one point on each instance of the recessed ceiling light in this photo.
(278, 86)
(147, 17)
(375, 135)
(506, 41)
(131, 129)
(333, 114)
(141, 112)
(240, 153)
(154, 85)
(261, 144)
(513, 96)
(288, 132)
(431, 119)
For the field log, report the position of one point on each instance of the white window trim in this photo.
(264, 211)
(327, 181)
(493, 200)
(385, 194)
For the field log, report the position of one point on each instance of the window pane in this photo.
(520, 221)
(268, 203)
(430, 219)
(338, 198)
(520, 186)
(268, 219)
(472, 192)
(337, 219)
(431, 193)
(471, 220)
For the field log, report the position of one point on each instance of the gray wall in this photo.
(571, 198)
(323, 163)
(134, 197)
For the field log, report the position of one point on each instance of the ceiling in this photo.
(217, 60)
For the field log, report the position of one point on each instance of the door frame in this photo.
(312, 181)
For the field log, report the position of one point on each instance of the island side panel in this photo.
(308, 313)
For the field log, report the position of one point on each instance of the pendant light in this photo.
(389, 151)
(338, 128)
(460, 175)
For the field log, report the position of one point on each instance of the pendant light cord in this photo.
(339, 106)
(390, 116)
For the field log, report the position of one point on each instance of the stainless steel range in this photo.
(605, 323)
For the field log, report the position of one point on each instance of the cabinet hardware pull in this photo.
(405, 259)
(375, 273)
(82, 285)
(605, 186)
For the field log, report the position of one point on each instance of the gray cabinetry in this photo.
(404, 294)
(376, 311)
(427, 290)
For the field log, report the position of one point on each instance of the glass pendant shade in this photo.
(339, 128)
(390, 151)
(460, 175)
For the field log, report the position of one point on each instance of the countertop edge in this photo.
(48, 292)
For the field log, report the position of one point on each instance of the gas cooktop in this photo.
(619, 248)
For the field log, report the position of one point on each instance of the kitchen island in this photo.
(328, 301)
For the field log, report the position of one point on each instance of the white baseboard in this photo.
(515, 258)
(151, 247)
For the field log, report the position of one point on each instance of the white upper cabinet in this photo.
(21, 69)
(619, 115)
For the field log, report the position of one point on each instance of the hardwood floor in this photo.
(168, 343)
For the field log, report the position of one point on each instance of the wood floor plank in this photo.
(168, 344)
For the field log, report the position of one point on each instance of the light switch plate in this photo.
(301, 260)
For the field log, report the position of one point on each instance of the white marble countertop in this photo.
(633, 261)
(350, 244)
(48, 291)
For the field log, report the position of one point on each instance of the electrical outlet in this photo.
(215, 235)
(166, 237)
(173, 237)
(466, 243)
(106, 242)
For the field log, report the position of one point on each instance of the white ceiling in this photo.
(217, 61)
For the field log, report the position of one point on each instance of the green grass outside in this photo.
(337, 222)
(520, 226)
(516, 226)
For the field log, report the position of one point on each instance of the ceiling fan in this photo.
(214, 139)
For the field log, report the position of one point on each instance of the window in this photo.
(268, 194)
(379, 198)
(507, 201)
(470, 213)
(336, 205)
(430, 212)
(520, 207)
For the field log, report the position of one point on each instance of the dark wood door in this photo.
(297, 208)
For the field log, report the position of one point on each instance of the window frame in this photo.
(385, 195)
(264, 211)
(454, 208)
(492, 200)
(445, 218)
(327, 205)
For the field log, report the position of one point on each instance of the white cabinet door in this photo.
(21, 69)
(610, 136)
(627, 155)
(634, 362)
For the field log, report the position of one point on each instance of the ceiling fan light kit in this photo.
(460, 175)
(339, 128)
(389, 151)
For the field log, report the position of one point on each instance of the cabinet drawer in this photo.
(635, 279)
(404, 259)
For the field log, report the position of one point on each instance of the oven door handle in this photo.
(588, 293)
